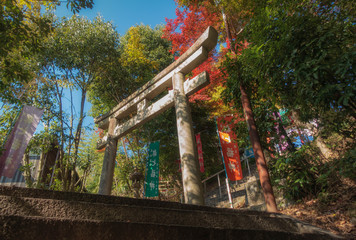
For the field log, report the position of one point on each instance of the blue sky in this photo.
(123, 15)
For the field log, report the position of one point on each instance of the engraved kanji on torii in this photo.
(138, 102)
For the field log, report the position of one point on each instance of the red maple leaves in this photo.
(183, 31)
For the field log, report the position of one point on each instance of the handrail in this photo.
(206, 179)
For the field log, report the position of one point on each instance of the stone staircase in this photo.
(42, 214)
(213, 198)
(245, 193)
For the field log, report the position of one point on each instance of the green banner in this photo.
(152, 170)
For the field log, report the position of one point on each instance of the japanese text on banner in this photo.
(152, 170)
(229, 148)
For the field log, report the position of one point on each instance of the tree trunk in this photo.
(259, 156)
(255, 141)
(77, 138)
(61, 156)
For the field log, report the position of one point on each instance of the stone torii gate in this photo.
(138, 102)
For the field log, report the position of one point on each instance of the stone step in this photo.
(42, 214)
(16, 227)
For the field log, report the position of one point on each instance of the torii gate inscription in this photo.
(172, 76)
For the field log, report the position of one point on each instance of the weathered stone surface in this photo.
(255, 198)
(42, 214)
(205, 43)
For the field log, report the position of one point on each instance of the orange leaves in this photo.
(182, 32)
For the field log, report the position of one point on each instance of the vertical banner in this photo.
(229, 148)
(200, 152)
(18, 140)
(179, 165)
(152, 170)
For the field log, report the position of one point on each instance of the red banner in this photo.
(18, 139)
(229, 148)
(180, 166)
(200, 152)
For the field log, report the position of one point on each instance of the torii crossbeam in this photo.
(172, 76)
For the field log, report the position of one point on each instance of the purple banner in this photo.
(18, 140)
(200, 152)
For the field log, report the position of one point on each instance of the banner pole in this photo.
(229, 192)
(248, 166)
(147, 160)
(222, 155)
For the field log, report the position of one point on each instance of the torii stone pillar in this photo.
(107, 172)
(172, 76)
(193, 188)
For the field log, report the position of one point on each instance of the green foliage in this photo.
(7, 120)
(141, 54)
(26, 169)
(76, 57)
(346, 165)
(89, 162)
(127, 165)
(145, 52)
(163, 129)
(306, 173)
(77, 5)
(23, 28)
(298, 174)
(300, 56)
(80, 48)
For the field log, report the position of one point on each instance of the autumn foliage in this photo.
(183, 31)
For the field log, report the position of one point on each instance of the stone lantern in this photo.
(136, 177)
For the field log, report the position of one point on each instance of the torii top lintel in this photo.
(193, 57)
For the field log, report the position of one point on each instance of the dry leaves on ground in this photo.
(338, 216)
